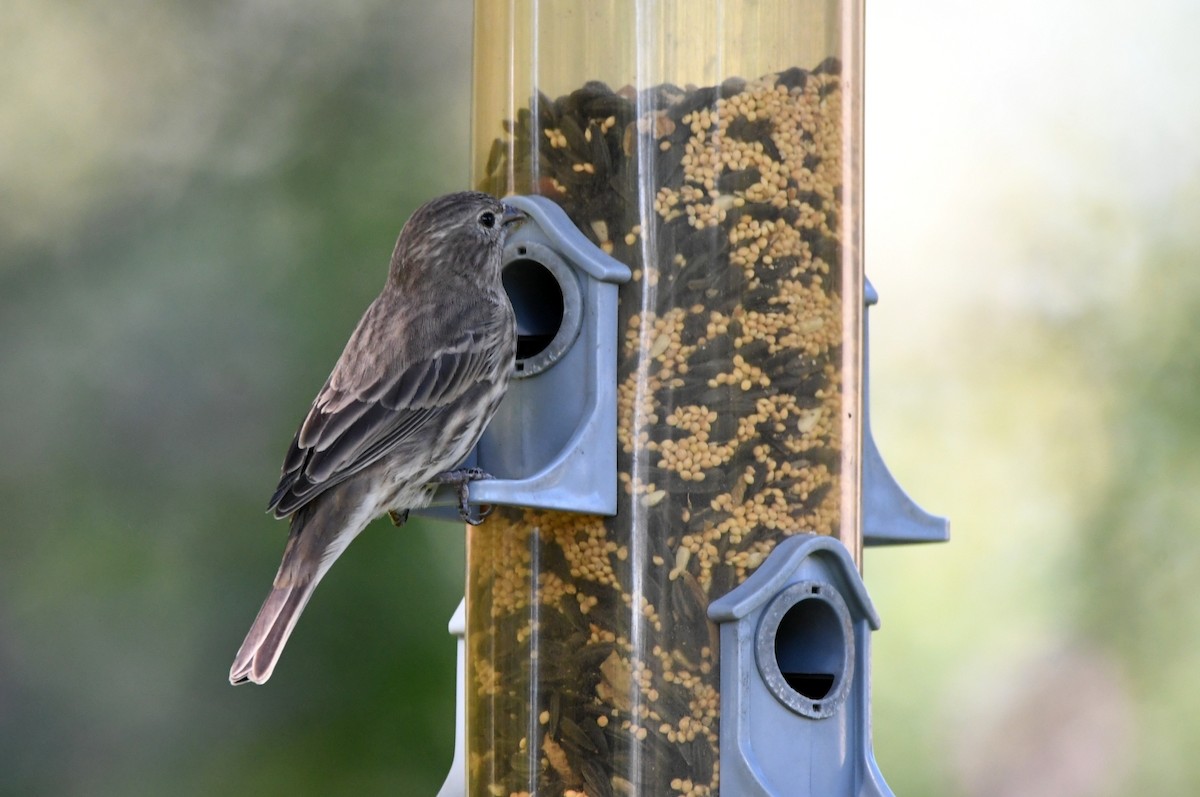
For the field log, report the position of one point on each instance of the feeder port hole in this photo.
(805, 648)
(546, 300)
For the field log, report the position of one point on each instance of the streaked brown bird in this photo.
(417, 383)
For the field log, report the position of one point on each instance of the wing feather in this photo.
(351, 427)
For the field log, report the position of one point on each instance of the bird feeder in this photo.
(707, 157)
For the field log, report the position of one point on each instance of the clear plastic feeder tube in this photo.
(715, 148)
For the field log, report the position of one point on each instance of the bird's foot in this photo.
(399, 517)
(462, 479)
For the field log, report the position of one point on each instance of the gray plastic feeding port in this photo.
(553, 442)
(795, 677)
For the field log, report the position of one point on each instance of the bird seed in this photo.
(726, 203)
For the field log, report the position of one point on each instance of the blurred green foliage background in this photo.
(197, 200)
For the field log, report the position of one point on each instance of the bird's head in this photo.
(463, 231)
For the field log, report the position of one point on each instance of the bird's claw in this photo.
(484, 511)
(462, 479)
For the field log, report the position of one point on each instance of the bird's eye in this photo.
(488, 219)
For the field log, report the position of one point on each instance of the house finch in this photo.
(419, 380)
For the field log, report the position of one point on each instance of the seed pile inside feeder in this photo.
(594, 667)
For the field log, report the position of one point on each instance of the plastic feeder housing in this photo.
(655, 449)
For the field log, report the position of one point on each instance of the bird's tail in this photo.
(320, 533)
(260, 651)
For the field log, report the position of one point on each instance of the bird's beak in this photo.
(512, 215)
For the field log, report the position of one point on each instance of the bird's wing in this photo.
(362, 413)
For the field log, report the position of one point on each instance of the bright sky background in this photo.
(1022, 160)
(990, 121)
